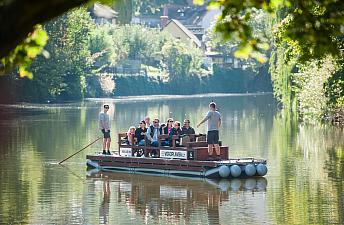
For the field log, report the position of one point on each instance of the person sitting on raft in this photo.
(131, 135)
(152, 135)
(140, 133)
(175, 131)
(168, 127)
(187, 129)
(166, 130)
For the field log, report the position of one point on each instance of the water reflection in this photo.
(158, 198)
(105, 205)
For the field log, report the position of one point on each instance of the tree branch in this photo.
(18, 18)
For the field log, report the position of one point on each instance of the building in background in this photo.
(103, 14)
(179, 31)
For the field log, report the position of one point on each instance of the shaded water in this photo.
(304, 184)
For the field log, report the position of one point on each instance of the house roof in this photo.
(186, 31)
(104, 11)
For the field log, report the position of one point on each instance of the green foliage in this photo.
(234, 24)
(310, 28)
(136, 42)
(62, 76)
(309, 88)
(280, 71)
(334, 88)
(181, 60)
(235, 80)
(176, 59)
(25, 52)
(260, 23)
(100, 46)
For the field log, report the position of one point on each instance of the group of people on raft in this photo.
(151, 132)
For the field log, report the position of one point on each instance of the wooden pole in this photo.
(80, 150)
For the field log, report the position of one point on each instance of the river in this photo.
(304, 184)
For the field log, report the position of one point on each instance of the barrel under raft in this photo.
(237, 170)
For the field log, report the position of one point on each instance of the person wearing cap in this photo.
(104, 126)
(214, 122)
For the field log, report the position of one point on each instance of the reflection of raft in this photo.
(232, 168)
(235, 184)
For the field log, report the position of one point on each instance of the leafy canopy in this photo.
(312, 28)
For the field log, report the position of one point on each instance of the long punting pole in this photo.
(80, 150)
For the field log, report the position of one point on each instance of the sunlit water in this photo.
(304, 184)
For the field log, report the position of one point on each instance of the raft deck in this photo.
(242, 167)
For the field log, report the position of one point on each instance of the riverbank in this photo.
(221, 81)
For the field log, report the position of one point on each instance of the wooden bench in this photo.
(146, 149)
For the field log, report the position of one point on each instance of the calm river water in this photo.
(304, 184)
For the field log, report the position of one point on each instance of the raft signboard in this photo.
(173, 154)
(125, 152)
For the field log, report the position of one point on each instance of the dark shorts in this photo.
(106, 134)
(213, 137)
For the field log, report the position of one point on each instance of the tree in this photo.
(260, 23)
(297, 81)
(100, 46)
(62, 75)
(181, 60)
(311, 28)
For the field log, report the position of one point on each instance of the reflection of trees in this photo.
(156, 199)
(164, 198)
(334, 166)
(321, 145)
(305, 194)
(30, 187)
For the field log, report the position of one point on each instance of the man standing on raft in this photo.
(214, 122)
(104, 126)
